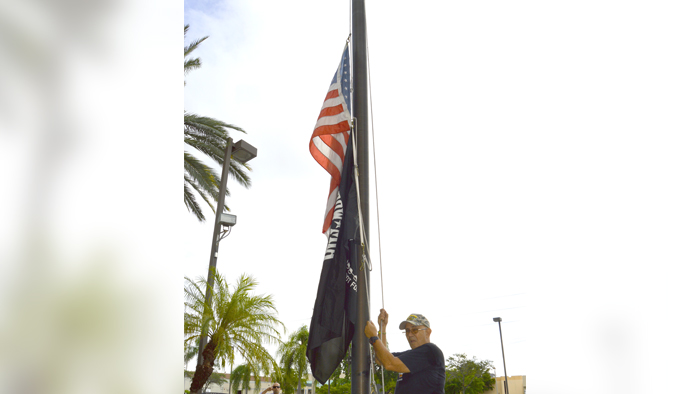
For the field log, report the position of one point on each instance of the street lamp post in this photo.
(505, 373)
(242, 152)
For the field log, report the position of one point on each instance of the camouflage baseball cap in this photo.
(416, 320)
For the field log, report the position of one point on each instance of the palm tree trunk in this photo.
(203, 371)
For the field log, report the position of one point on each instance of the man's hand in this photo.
(383, 320)
(370, 329)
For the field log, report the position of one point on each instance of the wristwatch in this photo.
(372, 340)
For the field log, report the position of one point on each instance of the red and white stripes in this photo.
(331, 134)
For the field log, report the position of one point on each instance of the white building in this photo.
(516, 385)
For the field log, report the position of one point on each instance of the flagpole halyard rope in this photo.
(376, 191)
(376, 186)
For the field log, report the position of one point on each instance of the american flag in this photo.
(332, 132)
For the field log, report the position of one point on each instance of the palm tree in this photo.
(208, 136)
(241, 376)
(293, 355)
(237, 322)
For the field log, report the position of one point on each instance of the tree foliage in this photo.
(240, 376)
(207, 136)
(237, 322)
(468, 376)
(342, 386)
(293, 355)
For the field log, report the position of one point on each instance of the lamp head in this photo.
(244, 152)
(227, 220)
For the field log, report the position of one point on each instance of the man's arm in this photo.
(384, 357)
(388, 360)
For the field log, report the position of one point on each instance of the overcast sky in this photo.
(536, 161)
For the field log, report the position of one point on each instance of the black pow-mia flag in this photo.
(333, 322)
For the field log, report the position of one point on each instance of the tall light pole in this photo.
(505, 373)
(242, 152)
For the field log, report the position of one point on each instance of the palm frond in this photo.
(192, 64)
(202, 175)
(192, 204)
(194, 185)
(206, 126)
(204, 181)
(193, 45)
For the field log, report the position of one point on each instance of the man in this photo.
(421, 369)
(275, 388)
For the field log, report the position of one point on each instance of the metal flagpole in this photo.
(360, 345)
